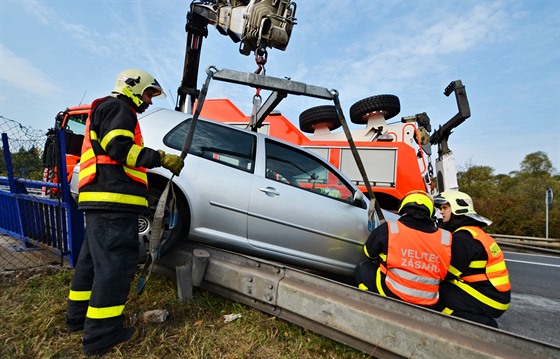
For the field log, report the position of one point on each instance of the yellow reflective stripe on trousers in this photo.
(447, 311)
(112, 134)
(479, 296)
(79, 295)
(112, 197)
(103, 313)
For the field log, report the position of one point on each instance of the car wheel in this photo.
(173, 228)
(389, 104)
(309, 118)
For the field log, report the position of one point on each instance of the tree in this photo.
(515, 202)
(537, 163)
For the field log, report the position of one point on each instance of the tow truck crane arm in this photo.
(441, 135)
(255, 24)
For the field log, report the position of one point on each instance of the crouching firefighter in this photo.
(408, 257)
(477, 286)
(113, 190)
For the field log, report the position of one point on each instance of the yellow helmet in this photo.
(133, 82)
(417, 199)
(461, 205)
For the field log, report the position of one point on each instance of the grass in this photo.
(33, 306)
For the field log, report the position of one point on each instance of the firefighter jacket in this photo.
(414, 264)
(485, 276)
(114, 160)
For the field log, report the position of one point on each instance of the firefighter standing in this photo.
(113, 191)
(409, 257)
(477, 287)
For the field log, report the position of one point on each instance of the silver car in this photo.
(255, 194)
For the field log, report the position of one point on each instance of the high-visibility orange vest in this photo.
(89, 159)
(416, 263)
(494, 269)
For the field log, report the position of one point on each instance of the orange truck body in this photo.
(398, 168)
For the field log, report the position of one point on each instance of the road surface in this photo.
(535, 299)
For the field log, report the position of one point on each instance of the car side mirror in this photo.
(358, 197)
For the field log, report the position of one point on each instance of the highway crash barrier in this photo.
(381, 327)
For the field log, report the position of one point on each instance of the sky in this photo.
(60, 53)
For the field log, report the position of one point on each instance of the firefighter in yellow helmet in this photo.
(113, 190)
(477, 286)
(409, 257)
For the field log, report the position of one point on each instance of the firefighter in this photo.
(477, 286)
(113, 190)
(408, 257)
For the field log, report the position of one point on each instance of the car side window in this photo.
(297, 168)
(216, 143)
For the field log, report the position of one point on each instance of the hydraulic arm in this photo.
(255, 24)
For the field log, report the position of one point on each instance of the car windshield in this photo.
(77, 123)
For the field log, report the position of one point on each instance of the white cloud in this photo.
(19, 74)
(39, 11)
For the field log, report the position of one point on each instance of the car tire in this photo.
(390, 104)
(309, 118)
(170, 235)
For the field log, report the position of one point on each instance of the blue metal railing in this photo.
(37, 220)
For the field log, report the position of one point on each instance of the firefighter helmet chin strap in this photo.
(138, 102)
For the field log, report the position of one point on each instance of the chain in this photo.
(261, 56)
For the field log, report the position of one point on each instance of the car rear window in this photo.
(216, 143)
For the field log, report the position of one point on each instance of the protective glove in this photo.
(173, 163)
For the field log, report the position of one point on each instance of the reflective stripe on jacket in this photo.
(94, 155)
(415, 263)
(492, 270)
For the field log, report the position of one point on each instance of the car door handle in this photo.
(270, 191)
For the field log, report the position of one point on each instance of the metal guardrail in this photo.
(381, 327)
(524, 244)
(551, 243)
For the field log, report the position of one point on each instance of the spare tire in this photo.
(309, 118)
(389, 104)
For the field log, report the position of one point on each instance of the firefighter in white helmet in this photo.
(477, 286)
(408, 257)
(113, 190)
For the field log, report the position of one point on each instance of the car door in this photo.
(302, 211)
(218, 179)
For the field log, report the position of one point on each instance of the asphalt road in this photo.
(535, 302)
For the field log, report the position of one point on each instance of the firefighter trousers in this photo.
(102, 277)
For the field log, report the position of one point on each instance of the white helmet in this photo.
(132, 83)
(461, 205)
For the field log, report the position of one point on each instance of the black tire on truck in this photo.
(389, 104)
(309, 118)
